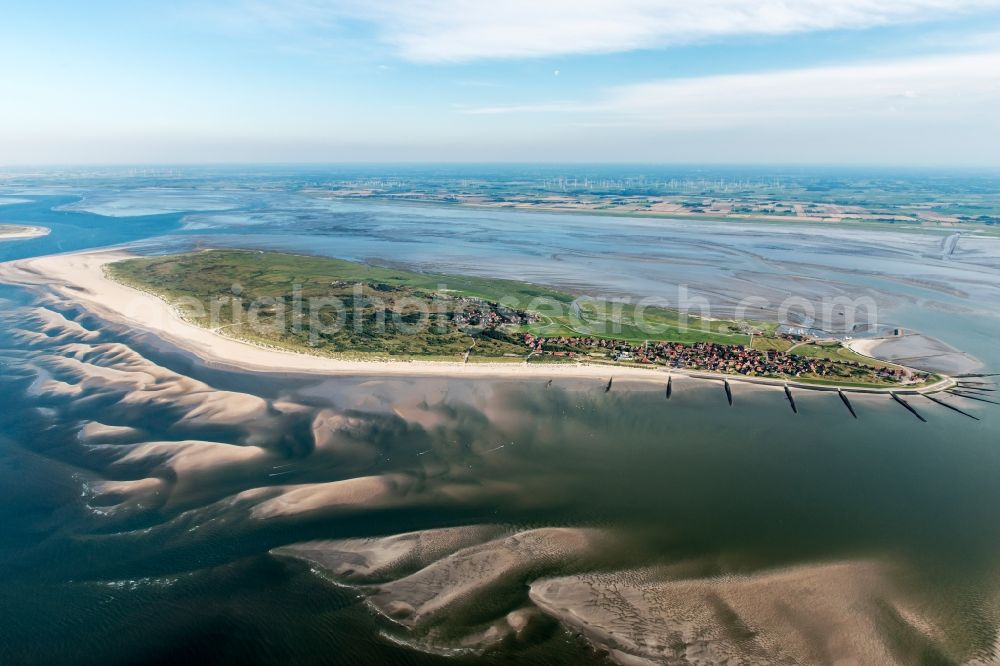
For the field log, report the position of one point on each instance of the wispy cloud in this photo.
(953, 88)
(544, 107)
(464, 30)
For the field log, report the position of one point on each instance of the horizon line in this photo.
(506, 163)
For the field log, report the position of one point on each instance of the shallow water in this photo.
(114, 574)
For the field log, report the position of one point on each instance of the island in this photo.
(363, 313)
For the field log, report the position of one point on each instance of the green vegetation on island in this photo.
(353, 310)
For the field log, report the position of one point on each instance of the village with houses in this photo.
(486, 318)
(718, 358)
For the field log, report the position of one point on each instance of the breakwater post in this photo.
(908, 406)
(971, 397)
(791, 399)
(951, 407)
(978, 388)
(847, 403)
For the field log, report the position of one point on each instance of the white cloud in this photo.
(944, 89)
(463, 30)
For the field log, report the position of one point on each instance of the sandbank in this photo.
(9, 232)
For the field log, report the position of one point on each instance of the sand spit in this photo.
(473, 571)
(80, 278)
(126, 498)
(453, 588)
(12, 232)
(914, 349)
(171, 473)
(817, 614)
(379, 558)
(94, 432)
(190, 457)
(364, 492)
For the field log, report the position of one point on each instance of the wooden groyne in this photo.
(945, 385)
(979, 388)
(847, 403)
(908, 406)
(951, 407)
(971, 397)
(791, 399)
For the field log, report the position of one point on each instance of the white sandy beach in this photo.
(10, 232)
(80, 277)
(865, 346)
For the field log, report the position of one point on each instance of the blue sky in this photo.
(713, 81)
